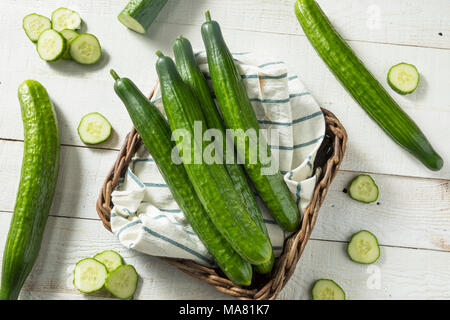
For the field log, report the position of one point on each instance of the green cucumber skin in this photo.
(156, 135)
(362, 85)
(211, 181)
(144, 11)
(194, 78)
(37, 184)
(238, 113)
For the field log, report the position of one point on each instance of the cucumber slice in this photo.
(89, 275)
(138, 15)
(363, 248)
(94, 128)
(64, 18)
(326, 289)
(69, 35)
(403, 78)
(34, 24)
(364, 189)
(85, 49)
(122, 282)
(111, 259)
(51, 45)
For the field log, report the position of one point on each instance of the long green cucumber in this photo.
(211, 181)
(362, 85)
(156, 135)
(194, 78)
(37, 184)
(238, 113)
(138, 15)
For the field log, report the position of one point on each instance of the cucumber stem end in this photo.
(159, 53)
(208, 15)
(114, 74)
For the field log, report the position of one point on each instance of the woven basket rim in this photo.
(328, 160)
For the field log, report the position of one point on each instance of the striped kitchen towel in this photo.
(145, 216)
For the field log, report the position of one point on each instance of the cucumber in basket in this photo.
(156, 135)
(362, 85)
(51, 45)
(194, 78)
(63, 18)
(403, 78)
(37, 184)
(211, 181)
(326, 289)
(238, 113)
(34, 24)
(138, 15)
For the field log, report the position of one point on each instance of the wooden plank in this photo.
(402, 273)
(90, 89)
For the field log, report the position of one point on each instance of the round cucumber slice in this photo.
(85, 49)
(364, 189)
(111, 259)
(403, 78)
(363, 247)
(326, 289)
(89, 275)
(122, 282)
(51, 45)
(69, 35)
(64, 18)
(34, 24)
(94, 128)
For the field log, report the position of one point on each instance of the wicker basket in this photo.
(328, 160)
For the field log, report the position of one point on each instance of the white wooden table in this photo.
(411, 220)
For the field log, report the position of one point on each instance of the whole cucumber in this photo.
(211, 181)
(238, 113)
(37, 184)
(156, 135)
(194, 78)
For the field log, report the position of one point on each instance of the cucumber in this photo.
(69, 35)
(111, 259)
(326, 289)
(363, 248)
(403, 78)
(238, 113)
(37, 184)
(85, 49)
(34, 24)
(89, 275)
(362, 85)
(94, 128)
(122, 282)
(211, 181)
(156, 135)
(51, 45)
(194, 78)
(63, 18)
(364, 189)
(138, 15)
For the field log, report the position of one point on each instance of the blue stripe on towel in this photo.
(155, 185)
(297, 146)
(143, 160)
(291, 96)
(135, 179)
(299, 188)
(270, 64)
(128, 225)
(295, 121)
(177, 244)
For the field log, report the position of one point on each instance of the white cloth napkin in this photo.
(145, 216)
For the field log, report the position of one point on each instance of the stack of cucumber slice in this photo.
(106, 270)
(57, 38)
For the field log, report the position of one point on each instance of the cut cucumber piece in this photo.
(364, 189)
(51, 45)
(326, 289)
(94, 128)
(89, 275)
(363, 248)
(85, 49)
(111, 259)
(403, 78)
(64, 18)
(69, 35)
(138, 15)
(122, 282)
(34, 24)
